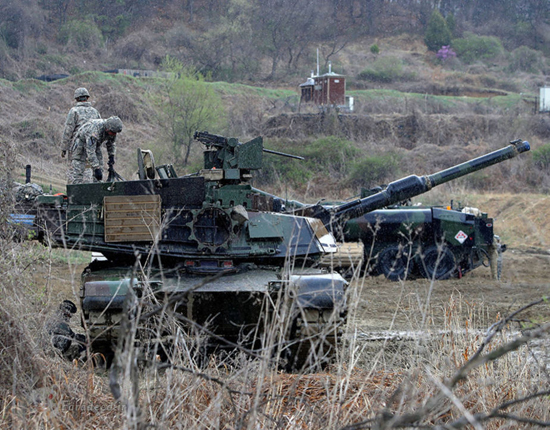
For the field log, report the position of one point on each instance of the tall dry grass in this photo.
(432, 376)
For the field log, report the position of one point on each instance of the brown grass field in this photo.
(404, 345)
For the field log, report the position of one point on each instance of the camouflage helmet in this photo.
(81, 92)
(113, 124)
(67, 307)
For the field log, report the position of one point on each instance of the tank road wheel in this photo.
(394, 263)
(437, 263)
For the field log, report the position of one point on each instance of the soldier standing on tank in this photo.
(79, 114)
(87, 148)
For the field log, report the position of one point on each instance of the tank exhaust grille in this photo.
(132, 218)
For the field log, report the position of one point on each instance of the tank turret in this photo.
(228, 257)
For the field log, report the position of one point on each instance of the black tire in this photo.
(437, 263)
(394, 263)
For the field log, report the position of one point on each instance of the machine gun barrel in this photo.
(210, 139)
(409, 187)
(283, 154)
(218, 141)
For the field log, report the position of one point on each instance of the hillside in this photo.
(419, 141)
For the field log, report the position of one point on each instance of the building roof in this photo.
(331, 74)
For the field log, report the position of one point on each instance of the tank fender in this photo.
(103, 295)
(323, 291)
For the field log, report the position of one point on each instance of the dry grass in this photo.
(371, 384)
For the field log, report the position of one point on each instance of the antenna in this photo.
(317, 61)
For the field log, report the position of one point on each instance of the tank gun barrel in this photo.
(515, 148)
(411, 186)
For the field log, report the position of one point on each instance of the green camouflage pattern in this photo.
(87, 148)
(81, 92)
(80, 114)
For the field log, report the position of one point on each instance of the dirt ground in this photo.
(476, 298)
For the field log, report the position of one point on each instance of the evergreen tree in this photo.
(451, 24)
(437, 33)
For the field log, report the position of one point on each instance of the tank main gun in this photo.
(335, 217)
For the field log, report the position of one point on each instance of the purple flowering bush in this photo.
(445, 53)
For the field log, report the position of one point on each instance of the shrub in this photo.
(384, 69)
(373, 170)
(375, 49)
(524, 59)
(331, 154)
(473, 48)
(445, 53)
(437, 33)
(541, 156)
(451, 23)
(81, 34)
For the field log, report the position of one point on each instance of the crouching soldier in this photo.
(87, 148)
(63, 338)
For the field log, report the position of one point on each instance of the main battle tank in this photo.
(405, 241)
(230, 262)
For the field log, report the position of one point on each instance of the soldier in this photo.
(87, 147)
(78, 116)
(63, 337)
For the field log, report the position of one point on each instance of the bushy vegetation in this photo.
(541, 156)
(525, 59)
(187, 104)
(233, 39)
(328, 160)
(472, 48)
(385, 69)
(81, 35)
(329, 157)
(373, 170)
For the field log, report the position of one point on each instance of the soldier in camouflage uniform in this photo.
(62, 336)
(87, 147)
(79, 114)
